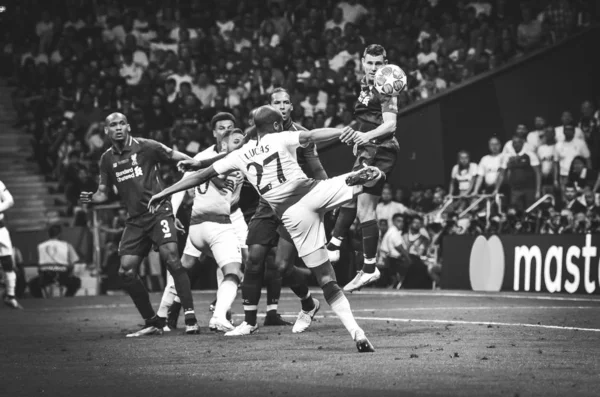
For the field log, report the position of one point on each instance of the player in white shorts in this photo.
(222, 123)
(271, 167)
(212, 233)
(6, 251)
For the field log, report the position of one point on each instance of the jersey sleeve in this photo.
(454, 172)
(481, 167)
(104, 171)
(291, 140)
(474, 169)
(389, 104)
(159, 151)
(504, 161)
(229, 163)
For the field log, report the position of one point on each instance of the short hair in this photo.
(171, 80)
(266, 116)
(185, 83)
(417, 216)
(570, 185)
(231, 132)
(397, 215)
(375, 50)
(54, 231)
(221, 116)
(277, 91)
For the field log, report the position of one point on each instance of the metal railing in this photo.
(96, 238)
(540, 202)
(478, 199)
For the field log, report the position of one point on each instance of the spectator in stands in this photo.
(521, 172)
(535, 137)
(565, 151)
(393, 251)
(567, 119)
(523, 133)
(489, 167)
(529, 31)
(463, 176)
(545, 153)
(560, 19)
(56, 259)
(581, 175)
(571, 200)
(353, 11)
(387, 208)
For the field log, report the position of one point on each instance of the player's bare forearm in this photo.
(197, 165)
(388, 127)
(478, 184)
(98, 197)
(500, 179)
(192, 180)
(319, 135)
(178, 156)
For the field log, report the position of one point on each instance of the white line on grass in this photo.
(410, 320)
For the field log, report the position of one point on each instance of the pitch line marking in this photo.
(410, 320)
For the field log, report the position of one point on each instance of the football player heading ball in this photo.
(377, 146)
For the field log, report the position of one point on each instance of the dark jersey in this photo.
(370, 107)
(135, 172)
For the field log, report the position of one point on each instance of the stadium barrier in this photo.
(531, 263)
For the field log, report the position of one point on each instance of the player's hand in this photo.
(179, 226)
(348, 135)
(86, 197)
(362, 138)
(188, 165)
(155, 202)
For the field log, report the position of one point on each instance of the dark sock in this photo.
(331, 292)
(173, 314)
(370, 234)
(297, 282)
(273, 291)
(158, 322)
(182, 286)
(343, 223)
(251, 290)
(139, 295)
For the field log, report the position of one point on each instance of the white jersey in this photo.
(269, 164)
(211, 202)
(4, 196)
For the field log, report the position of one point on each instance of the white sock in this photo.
(220, 277)
(336, 241)
(225, 296)
(341, 307)
(168, 297)
(11, 282)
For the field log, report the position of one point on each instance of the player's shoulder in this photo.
(206, 153)
(2, 186)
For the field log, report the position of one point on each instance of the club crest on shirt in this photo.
(365, 97)
(134, 159)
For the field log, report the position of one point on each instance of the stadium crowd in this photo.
(171, 65)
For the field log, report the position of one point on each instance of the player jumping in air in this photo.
(375, 145)
(131, 165)
(6, 251)
(265, 231)
(270, 165)
(211, 232)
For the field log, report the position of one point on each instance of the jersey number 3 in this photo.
(260, 169)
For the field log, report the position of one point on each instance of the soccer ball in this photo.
(390, 80)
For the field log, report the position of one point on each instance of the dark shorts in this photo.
(147, 230)
(383, 156)
(265, 227)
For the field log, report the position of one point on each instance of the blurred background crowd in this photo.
(171, 65)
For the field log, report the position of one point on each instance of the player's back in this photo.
(269, 164)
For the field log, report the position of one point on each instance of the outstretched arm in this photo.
(196, 165)
(195, 179)
(326, 134)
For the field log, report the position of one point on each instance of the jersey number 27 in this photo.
(260, 170)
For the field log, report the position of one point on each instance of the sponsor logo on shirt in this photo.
(128, 173)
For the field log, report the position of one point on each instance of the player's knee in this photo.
(127, 274)
(255, 261)
(233, 272)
